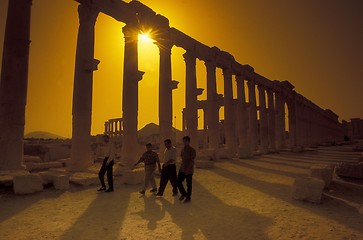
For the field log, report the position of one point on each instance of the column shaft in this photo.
(271, 121)
(229, 126)
(212, 109)
(242, 118)
(191, 111)
(280, 121)
(165, 92)
(131, 79)
(263, 119)
(82, 90)
(252, 131)
(13, 85)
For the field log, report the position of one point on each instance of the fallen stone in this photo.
(134, 176)
(308, 189)
(43, 165)
(61, 182)
(322, 171)
(223, 153)
(27, 183)
(28, 158)
(352, 170)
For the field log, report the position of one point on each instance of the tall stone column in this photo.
(293, 131)
(252, 131)
(130, 92)
(13, 85)
(280, 121)
(263, 119)
(228, 110)
(83, 89)
(271, 121)
(244, 149)
(212, 109)
(191, 110)
(165, 91)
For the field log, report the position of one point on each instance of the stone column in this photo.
(244, 149)
(13, 85)
(280, 121)
(271, 121)
(229, 126)
(165, 92)
(252, 131)
(292, 124)
(263, 120)
(191, 110)
(212, 109)
(82, 90)
(131, 79)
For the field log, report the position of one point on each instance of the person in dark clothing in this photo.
(168, 172)
(186, 170)
(107, 165)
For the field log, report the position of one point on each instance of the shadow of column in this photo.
(208, 215)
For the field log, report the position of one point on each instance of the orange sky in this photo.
(316, 45)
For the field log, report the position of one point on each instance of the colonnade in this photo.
(248, 127)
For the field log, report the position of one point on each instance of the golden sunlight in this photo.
(145, 37)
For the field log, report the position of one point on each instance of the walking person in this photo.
(168, 172)
(107, 165)
(186, 170)
(150, 159)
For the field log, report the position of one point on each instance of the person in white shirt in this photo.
(107, 165)
(168, 172)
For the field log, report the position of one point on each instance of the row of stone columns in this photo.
(307, 124)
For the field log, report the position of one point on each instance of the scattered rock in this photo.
(353, 170)
(308, 189)
(27, 183)
(322, 171)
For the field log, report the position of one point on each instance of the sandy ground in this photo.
(237, 199)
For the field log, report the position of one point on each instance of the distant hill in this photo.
(44, 135)
(151, 129)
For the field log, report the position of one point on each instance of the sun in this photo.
(145, 37)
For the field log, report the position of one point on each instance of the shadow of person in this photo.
(209, 216)
(152, 212)
(102, 218)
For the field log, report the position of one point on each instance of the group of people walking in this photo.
(151, 161)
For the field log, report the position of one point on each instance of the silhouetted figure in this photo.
(150, 159)
(168, 172)
(186, 170)
(107, 165)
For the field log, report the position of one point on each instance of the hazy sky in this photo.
(316, 45)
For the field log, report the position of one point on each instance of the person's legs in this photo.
(152, 178)
(163, 181)
(189, 179)
(173, 177)
(110, 175)
(149, 177)
(181, 188)
(101, 176)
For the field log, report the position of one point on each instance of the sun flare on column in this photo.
(144, 37)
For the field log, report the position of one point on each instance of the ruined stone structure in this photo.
(308, 123)
(354, 128)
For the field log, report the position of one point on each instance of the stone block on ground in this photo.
(28, 158)
(206, 154)
(308, 189)
(42, 166)
(27, 183)
(84, 179)
(244, 153)
(134, 176)
(61, 182)
(352, 170)
(204, 164)
(322, 171)
(223, 153)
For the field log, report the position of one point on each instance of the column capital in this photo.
(87, 14)
(130, 31)
(261, 87)
(210, 64)
(189, 56)
(164, 45)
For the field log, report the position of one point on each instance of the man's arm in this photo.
(158, 161)
(140, 160)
